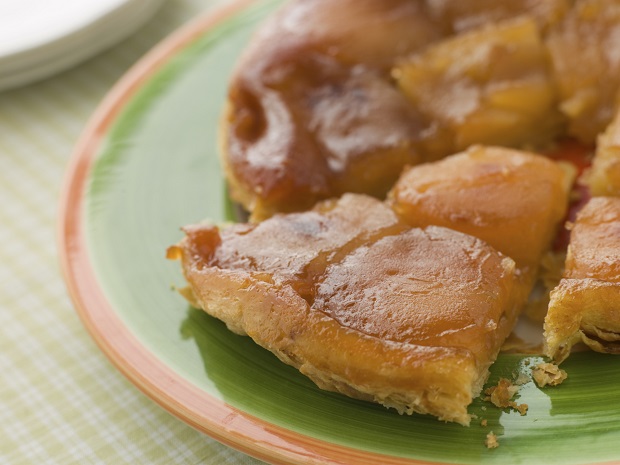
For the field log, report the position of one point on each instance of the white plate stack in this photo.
(41, 37)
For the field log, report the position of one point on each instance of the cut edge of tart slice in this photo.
(585, 306)
(582, 310)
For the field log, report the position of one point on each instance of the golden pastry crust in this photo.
(409, 318)
(491, 441)
(501, 396)
(585, 306)
(548, 374)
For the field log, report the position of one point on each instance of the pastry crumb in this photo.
(522, 379)
(501, 396)
(491, 441)
(522, 409)
(548, 374)
(483, 422)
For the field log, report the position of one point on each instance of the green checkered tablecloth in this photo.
(61, 401)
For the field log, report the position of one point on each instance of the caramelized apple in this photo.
(511, 199)
(594, 249)
(586, 65)
(311, 110)
(487, 86)
(403, 288)
(294, 248)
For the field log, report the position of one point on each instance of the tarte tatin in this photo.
(379, 261)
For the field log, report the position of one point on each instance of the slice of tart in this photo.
(513, 200)
(361, 303)
(585, 306)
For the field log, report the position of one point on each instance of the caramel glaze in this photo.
(583, 49)
(513, 200)
(584, 306)
(311, 106)
(294, 248)
(360, 302)
(431, 286)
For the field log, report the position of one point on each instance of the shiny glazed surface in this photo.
(313, 113)
(304, 121)
(295, 248)
(360, 303)
(513, 200)
(429, 286)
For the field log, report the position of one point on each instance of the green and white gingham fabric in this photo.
(61, 401)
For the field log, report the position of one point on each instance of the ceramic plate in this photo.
(42, 37)
(146, 165)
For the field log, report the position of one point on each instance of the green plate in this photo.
(147, 165)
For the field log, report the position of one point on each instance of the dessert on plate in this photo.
(379, 261)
